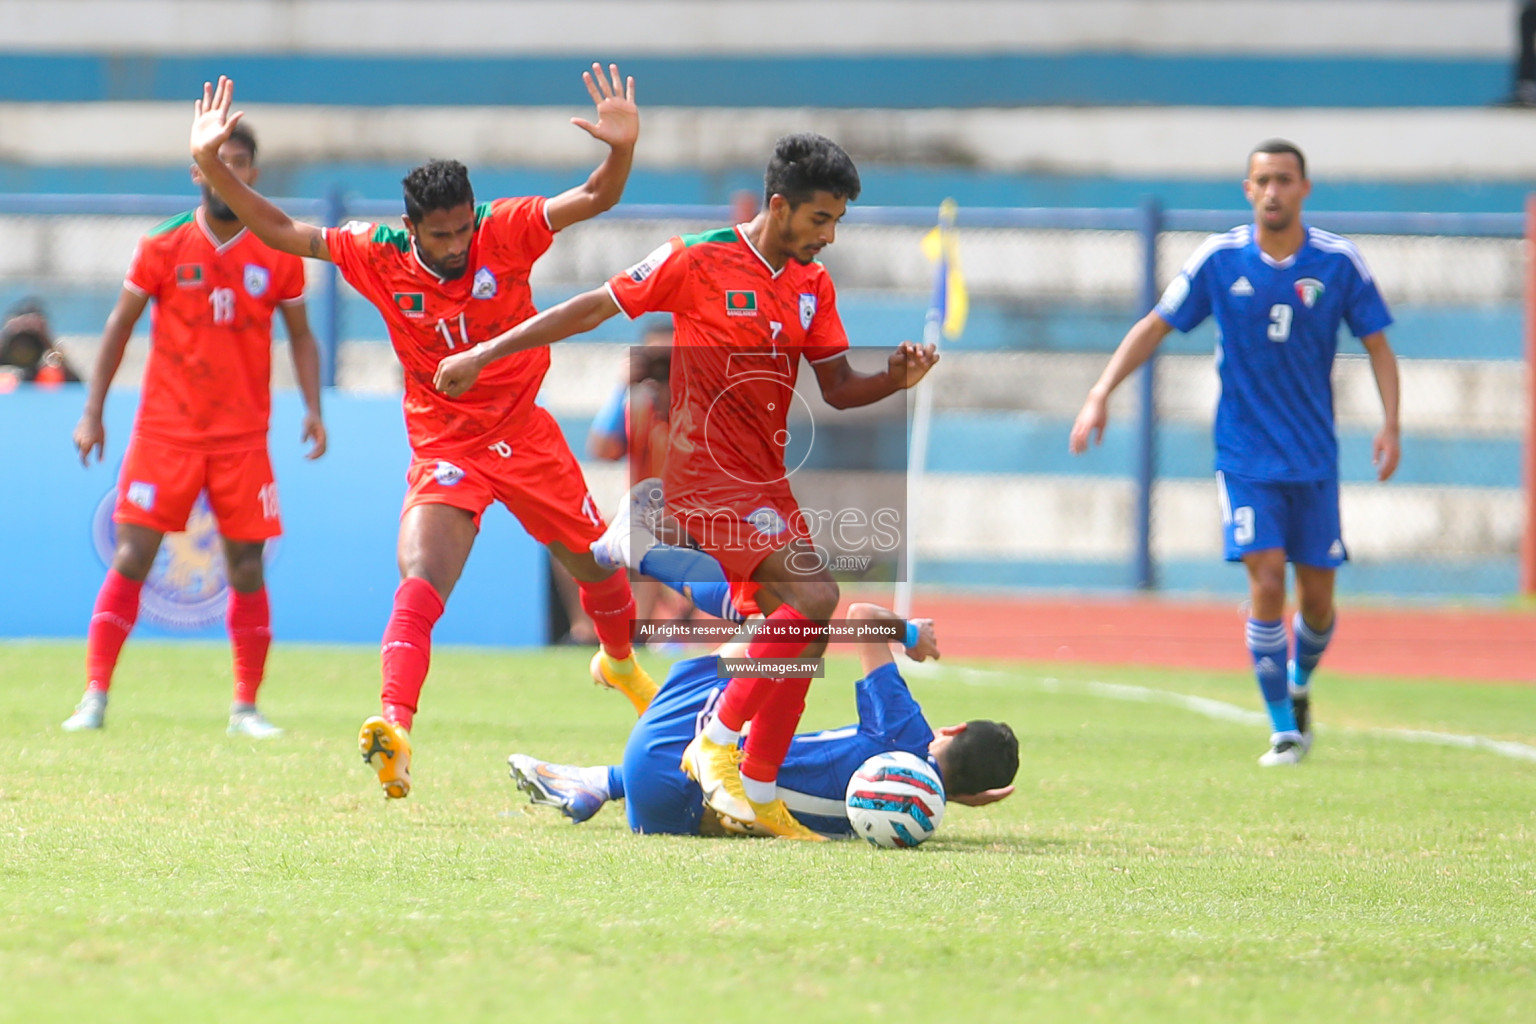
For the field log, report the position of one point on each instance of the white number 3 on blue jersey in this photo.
(1279, 322)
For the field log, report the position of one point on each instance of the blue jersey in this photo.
(814, 777)
(813, 780)
(1277, 328)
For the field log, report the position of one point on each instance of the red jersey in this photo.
(740, 329)
(208, 385)
(429, 317)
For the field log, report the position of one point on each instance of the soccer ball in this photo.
(895, 800)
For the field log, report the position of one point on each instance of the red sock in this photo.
(743, 697)
(612, 608)
(407, 650)
(773, 728)
(250, 634)
(117, 609)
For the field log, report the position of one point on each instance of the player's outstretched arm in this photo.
(618, 124)
(1135, 348)
(212, 123)
(90, 435)
(1386, 449)
(305, 353)
(457, 373)
(872, 656)
(843, 387)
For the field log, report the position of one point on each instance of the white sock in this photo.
(758, 791)
(596, 778)
(717, 733)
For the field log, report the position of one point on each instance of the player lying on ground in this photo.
(977, 760)
(1279, 291)
(458, 272)
(748, 303)
(202, 422)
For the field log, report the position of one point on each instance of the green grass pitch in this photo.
(1147, 869)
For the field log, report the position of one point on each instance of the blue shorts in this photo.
(1302, 518)
(659, 797)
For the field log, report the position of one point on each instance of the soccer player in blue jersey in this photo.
(1278, 290)
(977, 760)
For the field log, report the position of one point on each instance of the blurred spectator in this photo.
(1524, 93)
(27, 352)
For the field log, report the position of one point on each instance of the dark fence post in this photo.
(1146, 454)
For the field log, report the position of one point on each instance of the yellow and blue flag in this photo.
(950, 303)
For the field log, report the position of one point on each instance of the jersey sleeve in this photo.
(657, 284)
(289, 280)
(146, 269)
(350, 245)
(520, 226)
(1364, 309)
(1187, 299)
(888, 711)
(825, 338)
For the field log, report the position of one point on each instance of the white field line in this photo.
(1217, 709)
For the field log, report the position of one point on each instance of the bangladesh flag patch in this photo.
(741, 303)
(189, 275)
(410, 303)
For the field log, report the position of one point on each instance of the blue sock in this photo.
(615, 782)
(693, 574)
(714, 598)
(1310, 646)
(1267, 643)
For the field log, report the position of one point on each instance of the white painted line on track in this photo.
(1217, 709)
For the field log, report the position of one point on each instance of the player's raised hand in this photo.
(1089, 425)
(911, 362)
(212, 122)
(314, 432)
(457, 373)
(618, 119)
(90, 435)
(1385, 451)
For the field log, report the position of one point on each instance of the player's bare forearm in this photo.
(114, 342)
(212, 124)
(872, 656)
(1384, 369)
(305, 352)
(457, 373)
(600, 193)
(843, 387)
(1134, 349)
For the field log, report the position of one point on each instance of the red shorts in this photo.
(161, 481)
(533, 474)
(740, 532)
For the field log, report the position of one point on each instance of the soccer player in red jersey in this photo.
(747, 302)
(202, 422)
(456, 273)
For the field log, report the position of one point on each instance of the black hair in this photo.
(806, 163)
(245, 136)
(985, 756)
(1279, 147)
(436, 185)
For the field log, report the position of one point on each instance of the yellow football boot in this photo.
(716, 768)
(386, 748)
(774, 819)
(625, 676)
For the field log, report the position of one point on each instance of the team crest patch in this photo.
(256, 280)
(358, 227)
(766, 521)
(412, 304)
(446, 473)
(741, 303)
(485, 284)
(189, 275)
(807, 309)
(1309, 289)
(141, 494)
